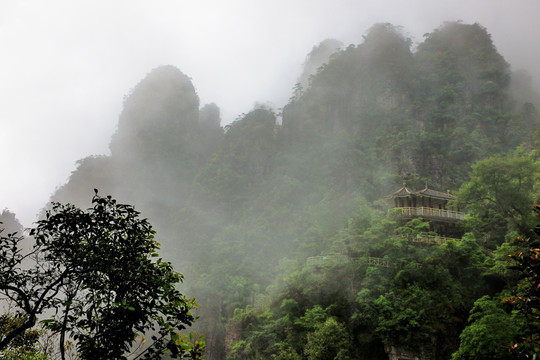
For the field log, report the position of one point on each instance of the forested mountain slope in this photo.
(240, 209)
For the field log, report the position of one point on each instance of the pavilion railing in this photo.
(428, 239)
(431, 212)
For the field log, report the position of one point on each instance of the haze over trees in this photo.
(242, 210)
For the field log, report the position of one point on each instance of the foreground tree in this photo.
(25, 346)
(99, 271)
(508, 326)
(525, 298)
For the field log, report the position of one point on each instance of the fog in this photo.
(67, 66)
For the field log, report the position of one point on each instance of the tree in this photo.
(99, 271)
(507, 326)
(526, 296)
(330, 341)
(489, 334)
(499, 195)
(24, 346)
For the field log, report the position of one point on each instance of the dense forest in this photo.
(275, 219)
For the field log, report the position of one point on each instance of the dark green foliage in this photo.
(329, 341)
(420, 302)
(525, 298)
(499, 196)
(23, 346)
(506, 326)
(423, 306)
(98, 269)
(490, 333)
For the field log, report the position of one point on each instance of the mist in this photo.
(68, 66)
(263, 142)
(253, 208)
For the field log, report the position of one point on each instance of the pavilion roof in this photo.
(426, 192)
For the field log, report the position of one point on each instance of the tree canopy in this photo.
(98, 270)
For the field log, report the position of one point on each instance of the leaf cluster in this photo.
(99, 271)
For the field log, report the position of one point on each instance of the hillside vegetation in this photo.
(242, 210)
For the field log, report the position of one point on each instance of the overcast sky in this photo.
(65, 66)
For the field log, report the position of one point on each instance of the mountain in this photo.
(241, 209)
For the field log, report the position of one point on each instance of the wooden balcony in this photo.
(428, 239)
(376, 261)
(327, 260)
(338, 259)
(431, 213)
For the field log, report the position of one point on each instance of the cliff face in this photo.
(319, 56)
(423, 115)
(160, 119)
(429, 112)
(161, 141)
